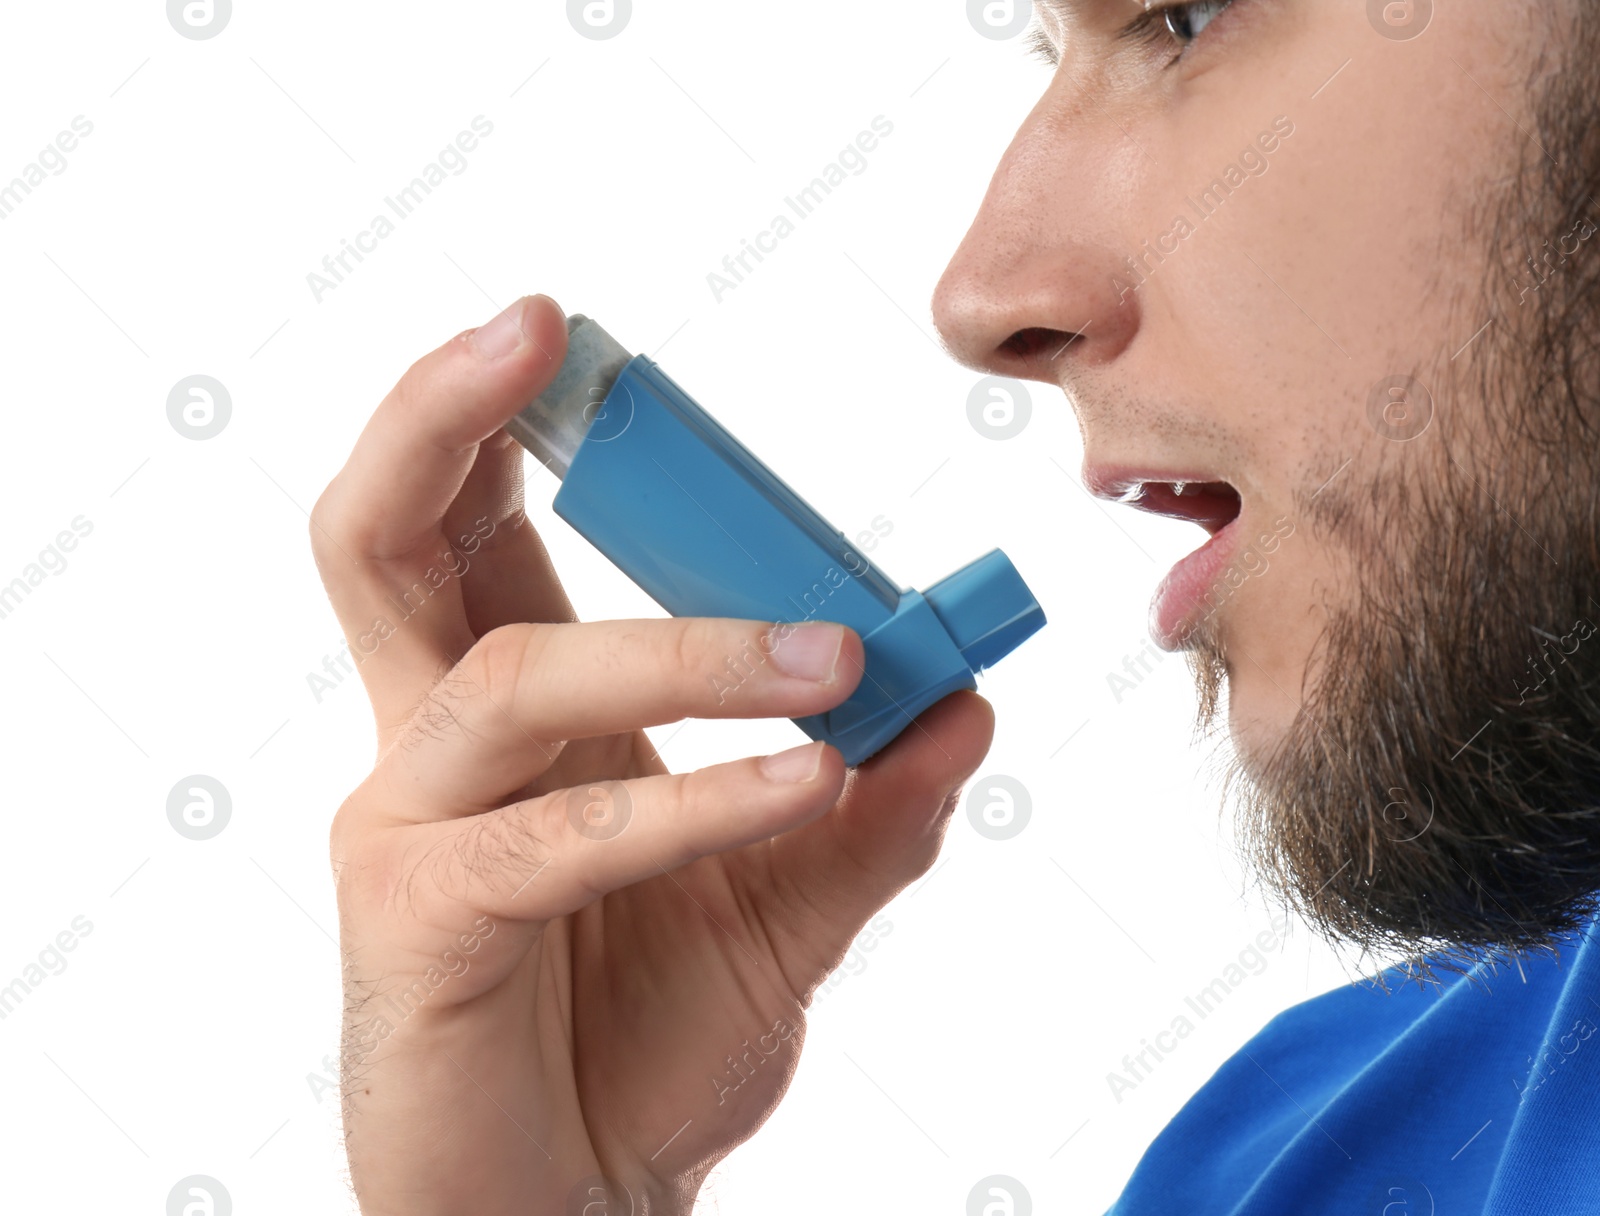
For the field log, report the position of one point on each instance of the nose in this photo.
(1038, 285)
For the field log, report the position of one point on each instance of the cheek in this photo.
(1340, 265)
(1336, 269)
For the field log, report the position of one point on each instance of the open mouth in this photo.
(1211, 504)
(1198, 586)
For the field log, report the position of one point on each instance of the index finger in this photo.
(378, 527)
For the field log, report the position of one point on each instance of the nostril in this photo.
(1036, 340)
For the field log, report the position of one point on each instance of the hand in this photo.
(575, 981)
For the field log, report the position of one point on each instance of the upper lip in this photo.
(1208, 500)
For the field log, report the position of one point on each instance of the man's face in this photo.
(1257, 244)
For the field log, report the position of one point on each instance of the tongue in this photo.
(1213, 505)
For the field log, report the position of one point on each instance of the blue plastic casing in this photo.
(688, 513)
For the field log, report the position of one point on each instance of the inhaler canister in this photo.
(690, 515)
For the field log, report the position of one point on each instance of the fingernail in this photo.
(500, 336)
(797, 764)
(807, 652)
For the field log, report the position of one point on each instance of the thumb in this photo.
(831, 876)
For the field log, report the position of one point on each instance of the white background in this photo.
(186, 1030)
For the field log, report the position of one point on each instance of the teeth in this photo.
(1133, 494)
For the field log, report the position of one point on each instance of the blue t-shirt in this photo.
(1481, 1096)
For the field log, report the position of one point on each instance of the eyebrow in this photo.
(1064, 10)
(1061, 7)
(1040, 46)
(1038, 40)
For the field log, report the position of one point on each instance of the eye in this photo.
(1186, 22)
(1158, 26)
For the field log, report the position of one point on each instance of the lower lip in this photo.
(1192, 589)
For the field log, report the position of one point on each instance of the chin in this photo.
(1259, 718)
(1253, 738)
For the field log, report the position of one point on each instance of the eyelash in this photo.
(1149, 29)
(1040, 46)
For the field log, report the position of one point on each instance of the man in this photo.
(1313, 274)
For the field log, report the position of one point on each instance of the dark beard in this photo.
(1441, 787)
(1438, 793)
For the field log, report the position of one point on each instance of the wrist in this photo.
(442, 1117)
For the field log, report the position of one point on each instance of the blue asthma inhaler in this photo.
(690, 515)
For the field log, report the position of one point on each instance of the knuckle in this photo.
(365, 883)
(686, 798)
(497, 853)
(681, 793)
(319, 523)
(419, 388)
(411, 389)
(714, 650)
(690, 643)
(760, 640)
(504, 657)
(922, 855)
(340, 833)
(365, 866)
(341, 848)
(443, 708)
(495, 672)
